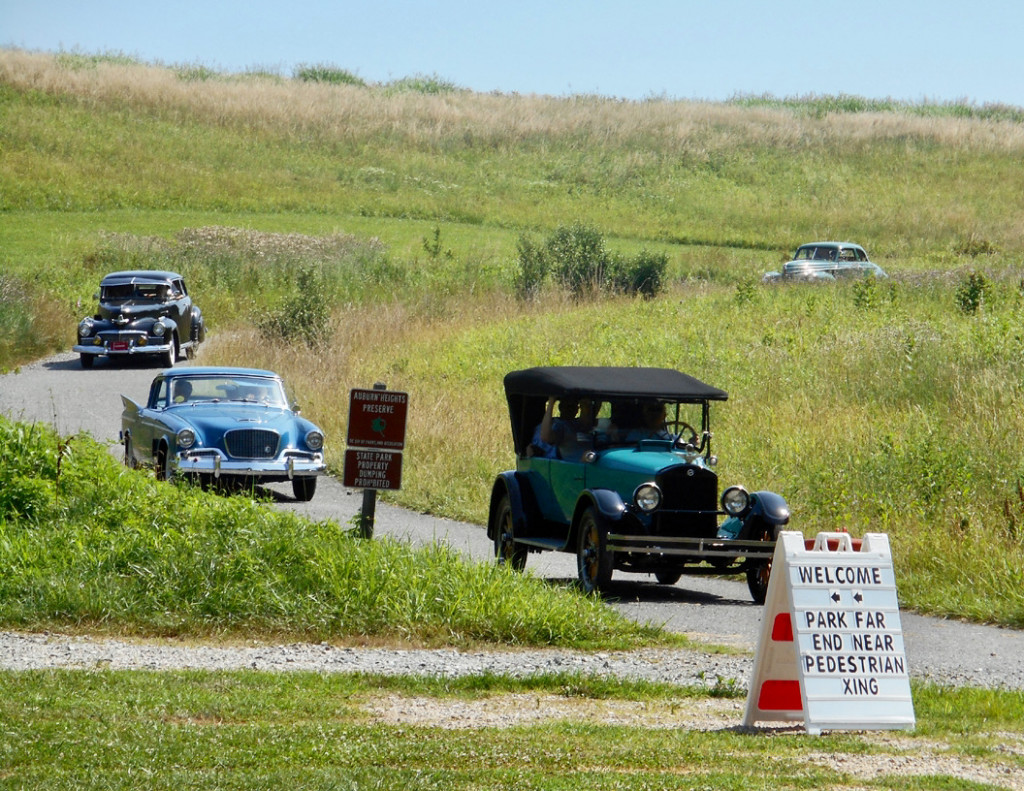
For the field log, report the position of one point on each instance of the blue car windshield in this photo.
(247, 389)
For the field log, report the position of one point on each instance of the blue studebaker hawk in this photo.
(223, 424)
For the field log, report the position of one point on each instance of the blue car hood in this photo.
(211, 421)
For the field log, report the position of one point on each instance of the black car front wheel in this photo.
(757, 581)
(86, 360)
(170, 357)
(304, 488)
(758, 576)
(506, 550)
(593, 559)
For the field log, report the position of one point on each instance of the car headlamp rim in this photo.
(315, 439)
(186, 438)
(159, 328)
(735, 500)
(647, 497)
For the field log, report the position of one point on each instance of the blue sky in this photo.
(940, 51)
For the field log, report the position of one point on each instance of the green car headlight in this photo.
(735, 500)
(647, 497)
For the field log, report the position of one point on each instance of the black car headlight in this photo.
(735, 500)
(647, 497)
(159, 328)
(85, 328)
(314, 440)
(186, 438)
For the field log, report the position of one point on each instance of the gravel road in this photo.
(57, 391)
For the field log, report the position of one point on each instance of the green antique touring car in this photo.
(623, 476)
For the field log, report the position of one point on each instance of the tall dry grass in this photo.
(275, 106)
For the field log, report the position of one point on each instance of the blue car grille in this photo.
(251, 443)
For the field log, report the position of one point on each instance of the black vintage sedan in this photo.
(141, 312)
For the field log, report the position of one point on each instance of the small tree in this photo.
(579, 258)
(533, 268)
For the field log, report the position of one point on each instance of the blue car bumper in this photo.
(211, 461)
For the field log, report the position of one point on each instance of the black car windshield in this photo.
(248, 389)
(135, 292)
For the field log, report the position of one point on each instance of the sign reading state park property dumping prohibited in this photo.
(831, 650)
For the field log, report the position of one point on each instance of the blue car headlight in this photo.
(314, 440)
(85, 328)
(186, 438)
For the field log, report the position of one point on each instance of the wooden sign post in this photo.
(376, 438)
(831, 649)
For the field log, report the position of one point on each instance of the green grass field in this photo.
(401, 212)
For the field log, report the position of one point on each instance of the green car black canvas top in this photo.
(528, 389)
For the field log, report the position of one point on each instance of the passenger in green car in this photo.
(556, 437)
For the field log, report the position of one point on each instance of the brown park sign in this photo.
(372, 469)
(376, 419)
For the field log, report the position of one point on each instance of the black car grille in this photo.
(251, 443)
(690, 504)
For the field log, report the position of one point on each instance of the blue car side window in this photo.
(161, 394)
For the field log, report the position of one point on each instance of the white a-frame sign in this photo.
(831, 648)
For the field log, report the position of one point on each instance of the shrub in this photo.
(973, 246)
(579, 258)
(533, 268)
(972, 291)
(644, 275)
(304, 315)
(32, 324)
(430, 84)
(327, 74)
(576, 256)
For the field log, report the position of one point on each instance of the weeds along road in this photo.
(57, 391)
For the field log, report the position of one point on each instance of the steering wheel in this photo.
(677, 427)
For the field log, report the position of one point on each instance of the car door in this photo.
(180, 308)
(149, 426)
(567, 482)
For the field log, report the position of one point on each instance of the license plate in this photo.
(119, 346)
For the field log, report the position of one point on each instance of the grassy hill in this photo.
(401, 210)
